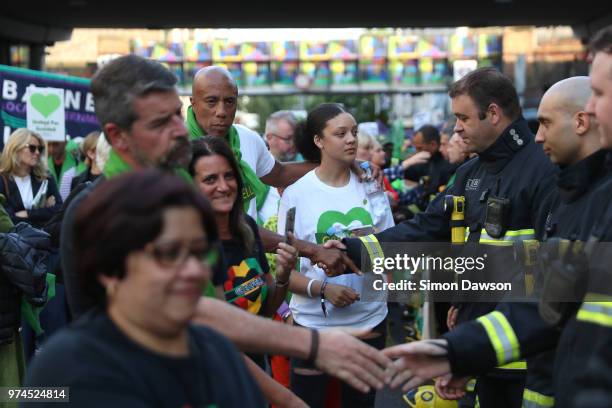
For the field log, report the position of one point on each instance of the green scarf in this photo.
(115, 166)
(252, 185)
(68, 163)
(30, 313)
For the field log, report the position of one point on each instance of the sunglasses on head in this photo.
(33, 148)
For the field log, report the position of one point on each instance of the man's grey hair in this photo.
(119, 82)
(273, 119)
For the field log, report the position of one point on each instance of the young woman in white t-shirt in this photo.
(331, 203)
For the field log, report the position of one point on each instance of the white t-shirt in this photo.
(255, 154)
(24, 184)
(66, 183)
(270, 206)
(324, 212)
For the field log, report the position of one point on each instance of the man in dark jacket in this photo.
(574, 145)
(510, 175)
(587, 339)
(515, 330)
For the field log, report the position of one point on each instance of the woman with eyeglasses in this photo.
(31, 193)
(143, 242)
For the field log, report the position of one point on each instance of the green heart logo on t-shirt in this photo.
(45, 104)
(330, 218)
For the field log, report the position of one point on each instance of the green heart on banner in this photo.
(45, 104)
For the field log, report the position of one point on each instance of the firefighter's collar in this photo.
(516, 136)
(573, 181)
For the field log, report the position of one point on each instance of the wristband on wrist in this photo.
(314, 347)
(309, 288)
(323, 286)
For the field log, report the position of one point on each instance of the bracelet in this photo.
(323, 286)
(282, 284)
(314, 347)
(310, 287)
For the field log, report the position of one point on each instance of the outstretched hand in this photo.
(353, 361)
(340, 295)
(333, 260)
(451, 388)
(418, 362)
(286, 258)
(334, 243)
(417, 158)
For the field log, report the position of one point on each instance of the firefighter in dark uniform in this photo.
(502, 191)
(586, 343)
(582, 368)
(590, 334)
(515, 330)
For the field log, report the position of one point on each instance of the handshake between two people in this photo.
(406, 365)
(413, 364)
(417, 362)
(331, 256)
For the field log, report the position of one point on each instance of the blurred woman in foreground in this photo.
(142, 241)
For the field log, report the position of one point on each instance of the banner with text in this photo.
(16, 86)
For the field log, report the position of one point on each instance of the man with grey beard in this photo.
(139, 110)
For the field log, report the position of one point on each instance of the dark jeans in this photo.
(311, 388)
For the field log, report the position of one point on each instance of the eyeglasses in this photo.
(33, 148)
(286, 139)
(173, 254)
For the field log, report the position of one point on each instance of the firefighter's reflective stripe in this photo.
(599, 313)
(501, 336)
(471, 385)
(414, 208)
(509, 238)
(532, 399)
(529, 255)
(530, 251)
(372, 246)
(517, 365)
